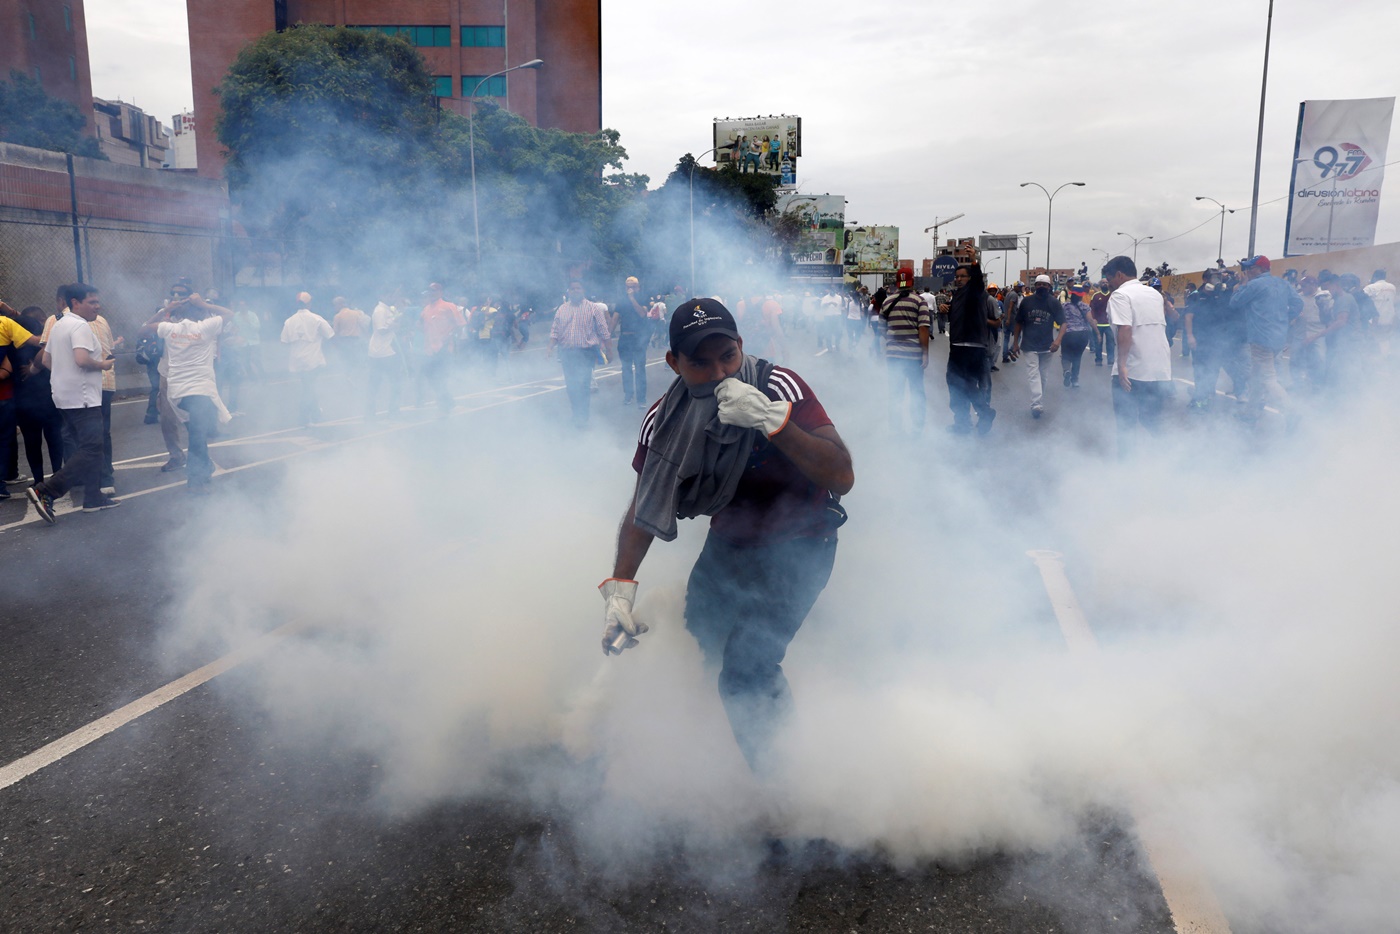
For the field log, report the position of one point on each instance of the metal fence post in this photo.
(73, 199)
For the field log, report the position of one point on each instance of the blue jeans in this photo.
(1214, 353)
(578, 378)
(1140, 408)
(1104, 340)
(204, 418)
(743, 605)
(904, 372)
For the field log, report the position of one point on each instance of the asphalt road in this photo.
(192, 818)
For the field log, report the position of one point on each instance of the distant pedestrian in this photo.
(1103, 336)
(579, 331)
(303, 333)
(386, 363)
(191, 334)
(906, 325)
(969, 374)
(1142, 372)
(633, 330)
(1269, 304)
(1382, 294)
(1037, 316)
(1075, 335)
(73, 355)
(442, 326)
(13, 336)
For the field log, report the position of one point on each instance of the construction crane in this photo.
(939, 223)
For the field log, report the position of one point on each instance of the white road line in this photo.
(1193, 905)
(66, 745)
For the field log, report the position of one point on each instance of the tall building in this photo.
(463, 41)
(182, 150)
(130, 136)
(47, 40)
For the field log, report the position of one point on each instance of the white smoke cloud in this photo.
(1244, 694)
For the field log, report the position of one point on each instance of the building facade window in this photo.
(421, 36)
(496, 87)
(442, 85)
(33, 27)
(67, 18)
(483, 37)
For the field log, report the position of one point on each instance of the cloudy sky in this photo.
(917, 111)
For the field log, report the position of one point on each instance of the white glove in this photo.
(620, 630)
(746, 406)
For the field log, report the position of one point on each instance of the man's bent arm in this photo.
(820, 454)
(632, 545)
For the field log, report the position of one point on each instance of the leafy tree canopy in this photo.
(30, 117)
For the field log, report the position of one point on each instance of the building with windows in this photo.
(130, 136)
(463, 42)
(47, 39)
(182, 141)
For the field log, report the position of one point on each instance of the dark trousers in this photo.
(109, 472)
(903, 372)
(381, 369)
(1072, 348)
(578, 379)
(40, 428)
(9, 450)
(969, 384)
(1104, 343)
(84, 468)
(1140, 408)
(204, 420)
(634, 371)
(743, 605)
(1214, 353)
(309, 404)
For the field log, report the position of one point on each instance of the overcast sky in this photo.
(919, 111)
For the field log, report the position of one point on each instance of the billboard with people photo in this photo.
(766, 145)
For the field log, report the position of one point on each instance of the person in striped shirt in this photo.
(906, 318)
(771, 486)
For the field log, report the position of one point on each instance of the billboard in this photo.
(767, 145)
(871, 250)
(823, 218)
(994, 242)
(1338, 165)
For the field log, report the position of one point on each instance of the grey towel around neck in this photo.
(694, 461)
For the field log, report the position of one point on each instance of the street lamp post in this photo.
(1223, 211)
(1004, 273)
(1050, 213)
(534, 63)
(691, 186)
(1136, 241)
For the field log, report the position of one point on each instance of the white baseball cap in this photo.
(1043, 280)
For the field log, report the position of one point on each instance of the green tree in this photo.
(330, 136)
(30, 117)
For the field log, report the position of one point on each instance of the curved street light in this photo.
(1136, 241)
(1220, 256)
(1050, 213)
(534, 63)
(691, 186)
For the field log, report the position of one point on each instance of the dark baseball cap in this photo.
(696, 319)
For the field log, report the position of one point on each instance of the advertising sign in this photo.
(760, 144)
(871, 249)
(994, 242)
(1338, 166)
(823, 218)
(944, 267)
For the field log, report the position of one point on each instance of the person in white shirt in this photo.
(1142, 372)
(190, 329)
(1382, 295)
(74, 356)
(384, 359)
(303, 333)
(829, 311)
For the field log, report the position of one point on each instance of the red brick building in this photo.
(461, 40)
(47, 40)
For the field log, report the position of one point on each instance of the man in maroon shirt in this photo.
(773, 507)
(1103, 328)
